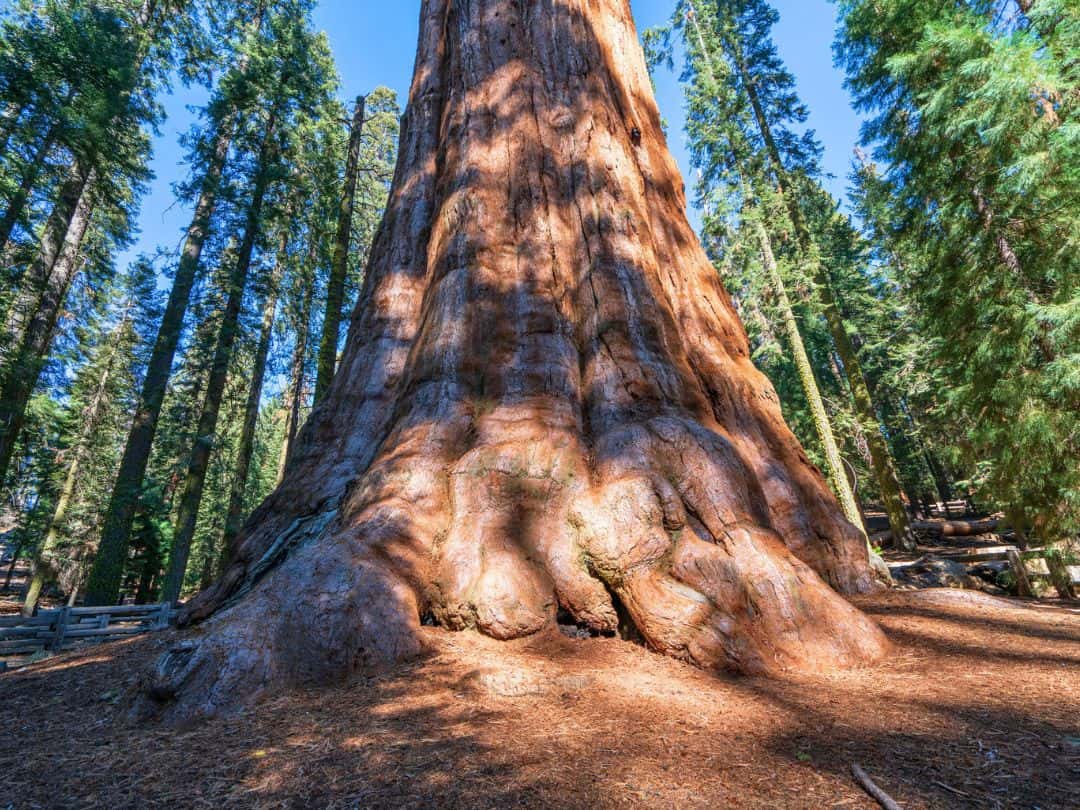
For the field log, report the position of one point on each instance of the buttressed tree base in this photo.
(546, 404)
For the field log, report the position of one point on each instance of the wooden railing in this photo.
(56, 629)
(1026, 566)
(950, 509)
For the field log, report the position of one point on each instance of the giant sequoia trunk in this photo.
(545, 403)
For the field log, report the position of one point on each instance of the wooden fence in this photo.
(949, 509)
(1026, 566)
(56, 629)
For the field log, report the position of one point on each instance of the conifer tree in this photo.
(106, 103)
(974, 114)
(335, 288)
(296, 74)
(233, 100)
(755, 94)
(100, 400)
(245, 450)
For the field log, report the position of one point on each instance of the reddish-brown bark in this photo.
(546, 402)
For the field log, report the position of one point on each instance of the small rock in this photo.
(573, 631)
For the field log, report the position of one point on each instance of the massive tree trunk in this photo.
(545, 403)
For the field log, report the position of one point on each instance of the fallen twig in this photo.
(879, 795)
(950, 788)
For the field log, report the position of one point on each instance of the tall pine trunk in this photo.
(106, 574)
(51, 272)
(881, 458)
(32, 284)
(103, 585)
(17, 204)
(822, 425)
(187, 511)
(335, 286)
(545, 402)
(24, 365)
(298, 374)
(234, 519)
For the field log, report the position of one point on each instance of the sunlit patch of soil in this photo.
(977, 707)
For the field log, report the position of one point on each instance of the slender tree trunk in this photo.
(24, 366)
(822, 425)
(103, 585)
(1011, 262)
(92, 415)
(234, 520)
(30, 174)
(884, 467)
(36, 279)
(106, 574)
(14, 560)
(299, 369)
(942, 486)
(1004, 248)
(75, 193)
(187, 512)
(834, 461)
(144, 592)
(545, 402)
(335, 286)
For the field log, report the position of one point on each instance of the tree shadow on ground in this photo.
(555, 722)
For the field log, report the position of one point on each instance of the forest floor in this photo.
(11, 598)
(978, 707)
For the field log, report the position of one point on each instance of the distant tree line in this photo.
(925, 342)
(145, 410)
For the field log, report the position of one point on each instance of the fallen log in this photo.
(977, 554)
(956, 528)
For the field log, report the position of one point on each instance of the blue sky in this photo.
(374, 42)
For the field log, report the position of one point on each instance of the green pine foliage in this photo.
(974, 123)
(80, 86)
(760, 168)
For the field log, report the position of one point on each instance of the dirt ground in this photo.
(979, 707)
(11, 598)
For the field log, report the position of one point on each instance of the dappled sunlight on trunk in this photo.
(546, 403)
